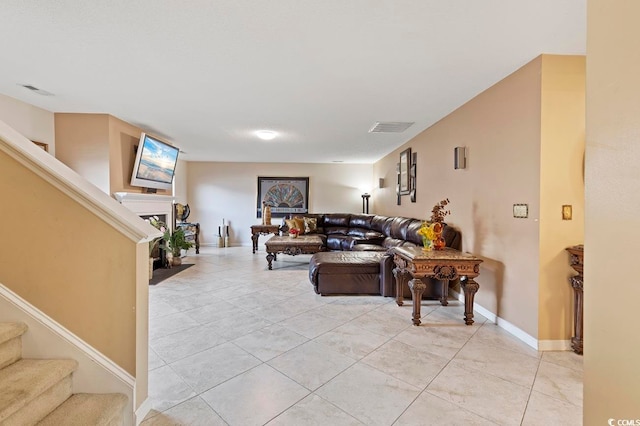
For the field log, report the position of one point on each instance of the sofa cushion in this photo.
(336, 220)
(378, 223)
(295, 223)
(337, 241)
(360, 221)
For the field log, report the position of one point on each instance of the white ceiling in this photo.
(205, 74)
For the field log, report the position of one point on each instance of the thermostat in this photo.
(521, 210)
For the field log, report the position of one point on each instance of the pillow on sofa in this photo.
(310, 225)
(295, 223)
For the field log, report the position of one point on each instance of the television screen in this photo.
(155, 164)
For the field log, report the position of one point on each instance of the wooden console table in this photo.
(413, 264)
(577, 262)
(257, 230)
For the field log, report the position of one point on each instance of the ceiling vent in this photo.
(390, 127)
(36, 90)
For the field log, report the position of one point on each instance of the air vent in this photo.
(36, 90)
(390, 127)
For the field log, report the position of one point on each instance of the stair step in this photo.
(32, 388)
(11, 342)
(9, 330)
(88, 409)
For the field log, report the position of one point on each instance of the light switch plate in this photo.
(521, 210)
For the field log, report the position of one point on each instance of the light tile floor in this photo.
(233, 343)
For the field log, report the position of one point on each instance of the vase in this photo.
(426, 244)
(439, 242)
(266, 214)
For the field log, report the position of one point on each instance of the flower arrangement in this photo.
(438, 212)
(431, 231)
(428, 234)
(294, 232)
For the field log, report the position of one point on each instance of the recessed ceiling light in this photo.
(266, 135)
(337, 161)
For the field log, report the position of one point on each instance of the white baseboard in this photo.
(539, 345)
(554, 345)
(45, 338)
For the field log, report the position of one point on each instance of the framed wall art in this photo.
(405, 167)
(285, 195)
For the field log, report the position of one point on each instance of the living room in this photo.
(518, 282)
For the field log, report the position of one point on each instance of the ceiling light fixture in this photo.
(266, 135)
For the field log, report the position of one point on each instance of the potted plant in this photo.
(174, 243)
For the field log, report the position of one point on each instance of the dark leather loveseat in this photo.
(357, 261)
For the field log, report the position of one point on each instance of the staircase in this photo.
(38, 391)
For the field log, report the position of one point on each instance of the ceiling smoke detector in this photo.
(34, 89)
(390, 126)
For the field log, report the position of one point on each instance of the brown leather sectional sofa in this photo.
(356, 260)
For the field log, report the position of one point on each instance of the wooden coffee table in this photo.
(303, 244)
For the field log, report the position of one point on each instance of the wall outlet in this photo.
(567, 212)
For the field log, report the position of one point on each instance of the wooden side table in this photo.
(445, 265)
(577, 263)
(257, 230)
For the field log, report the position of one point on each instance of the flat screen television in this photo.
(155, 164)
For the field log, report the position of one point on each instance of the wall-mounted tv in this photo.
(155, 164)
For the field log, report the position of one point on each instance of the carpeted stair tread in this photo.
(88, 409)
(11, 342)
(24, 380)
(10, 330)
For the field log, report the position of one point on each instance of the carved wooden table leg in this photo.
(417, 288)
(444, 299)
(470, 288)
(270, 258)
(400, 278)
(254, 239)
(576, 340)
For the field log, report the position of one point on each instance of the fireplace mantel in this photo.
(147, 204)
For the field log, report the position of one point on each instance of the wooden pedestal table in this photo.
(577, 281)
(257, 230)
(413, 264)
(303, 244)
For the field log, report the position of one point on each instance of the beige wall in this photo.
(507, 130)
(181, 187)
(561, 182)
(34, 123)
(70, 264)
(612, 223)
(229, 191)
(83, 145)
(501, 130)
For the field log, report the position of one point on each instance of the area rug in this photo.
(162, 274)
